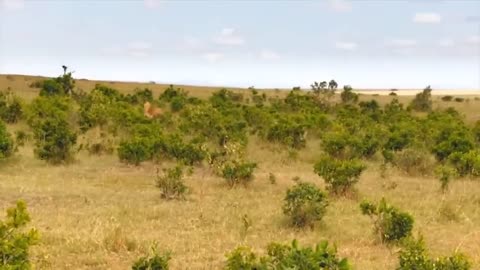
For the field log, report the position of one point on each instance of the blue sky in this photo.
(367, 44)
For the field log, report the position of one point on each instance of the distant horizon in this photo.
(340, 85)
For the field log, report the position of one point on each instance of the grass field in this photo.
(98, 213)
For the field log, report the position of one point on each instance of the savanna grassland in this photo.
(95, 199)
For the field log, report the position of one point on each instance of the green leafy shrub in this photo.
(171, 183)
(339, 175)
(282, 256)
(154, 261)
(54, 140)
(288, 132)
(135, 151)
(414, 255)
(15, 241)
(389, 222)
(11, 110)
(7, 146)
(449, 142)
(238, 172)
(459, 99)
(305, 204)
(466, 163)
(414, 162)
(422, 101)
(62, 85)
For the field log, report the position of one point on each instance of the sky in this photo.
(276, 44)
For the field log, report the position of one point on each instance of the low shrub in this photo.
(15, 242)
(339, 175)
(445, 174)
(459, 99)
(305, 204)
(7, 146)
(389, 222)
(466, 164)
(135, 151)
(414, 255)
(447, 98)
(11, 110)
(171, 183)
(238, 172)
(282, 256)
(154, 261)
(54, 140)
(414, 162)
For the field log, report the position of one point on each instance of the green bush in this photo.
(54, 140)
(288, 132)
(62, 85)
(7, 146)
(238, 172)
(447, 143)
(135, 151)
(305, 204)
(422, 101)
(389, 222)
(281, 256)
(11, 110)
(459, 99)
(466, 164)
(414, 255)
(339, 175)
(171, 183)
(154, 261)
(15, 242)
(476, 131)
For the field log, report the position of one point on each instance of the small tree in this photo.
(390, 223)
(171, 183)
(305, 204)
(348, 96)
(422, 101)
(340, 175)
(6, 142)
(15, 242)
(54, 140)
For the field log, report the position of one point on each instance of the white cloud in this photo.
(229, 36)
(140, 48)
(348, 46)
(402, 43)
(190, 43)
(340, 5)
(446, 42)
(12, 4)
(269, 55)
(475, 40)
(427, 17)
(213, 57)
(152, 3)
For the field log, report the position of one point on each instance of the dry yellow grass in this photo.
(100, 214)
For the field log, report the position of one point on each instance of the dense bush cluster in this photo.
(6, 142)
